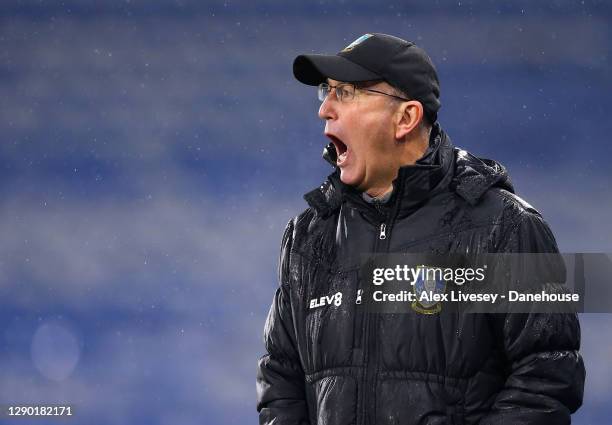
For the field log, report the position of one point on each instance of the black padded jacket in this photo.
(337, 365)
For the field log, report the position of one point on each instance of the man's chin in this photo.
(350, 179)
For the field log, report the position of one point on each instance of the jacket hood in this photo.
(474, 176)
(443, 167)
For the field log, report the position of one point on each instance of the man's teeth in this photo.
(342, 157)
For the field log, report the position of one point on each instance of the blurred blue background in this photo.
(152, 152)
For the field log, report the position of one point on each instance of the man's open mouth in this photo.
(341, 149)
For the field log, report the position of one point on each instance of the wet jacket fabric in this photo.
(338, 365)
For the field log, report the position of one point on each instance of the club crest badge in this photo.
(356, 42)
(429, 289)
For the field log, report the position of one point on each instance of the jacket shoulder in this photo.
(303, 223)
(310, 233)
(520, 226)
(516, 201)
(498, 204)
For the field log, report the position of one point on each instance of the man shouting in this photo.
(400, 186)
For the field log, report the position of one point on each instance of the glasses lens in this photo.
(323, 90)
(345, 92)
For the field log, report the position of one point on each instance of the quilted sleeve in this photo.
(280, 376)
(546, 375)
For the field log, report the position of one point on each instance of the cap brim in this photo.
(315, 69)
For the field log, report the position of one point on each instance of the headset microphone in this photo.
(330, 154)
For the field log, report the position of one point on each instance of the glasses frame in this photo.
(327, 88)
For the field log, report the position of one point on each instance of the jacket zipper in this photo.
(357, 330)
(364, 347)
(370, 351)
(358, 313)
(383, 231)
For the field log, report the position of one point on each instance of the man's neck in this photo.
(414, 150)
(379, 192)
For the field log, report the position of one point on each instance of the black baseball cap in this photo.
(375, 56)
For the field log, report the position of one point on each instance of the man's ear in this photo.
(408, 117)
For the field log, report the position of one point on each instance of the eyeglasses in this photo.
(345, 92)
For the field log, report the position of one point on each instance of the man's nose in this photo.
(327, 110)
